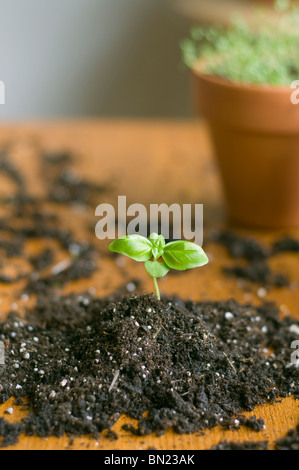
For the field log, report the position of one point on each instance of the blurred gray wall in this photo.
(92, 58)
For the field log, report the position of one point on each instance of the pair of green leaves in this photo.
(179, 255)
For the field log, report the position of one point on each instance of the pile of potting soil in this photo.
(81, 362)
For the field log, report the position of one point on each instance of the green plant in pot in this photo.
(243, 79)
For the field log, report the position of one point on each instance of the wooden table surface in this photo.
(149, 162)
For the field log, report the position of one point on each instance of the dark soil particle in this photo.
(241, 247)
(43, 260)
(241, 446)
(253, 423)
(10, 432)
(57, 158)
(70, 269)
(66, 185)
(258, 272)
(68, 188)
(82, 362)
(290, 441)
(256, 269)
(286, 245)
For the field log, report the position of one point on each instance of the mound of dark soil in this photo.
(82, 362)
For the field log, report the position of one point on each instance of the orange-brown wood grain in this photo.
(149, 162)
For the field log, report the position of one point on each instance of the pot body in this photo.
(255, 132)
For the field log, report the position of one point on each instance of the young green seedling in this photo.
(159, 257)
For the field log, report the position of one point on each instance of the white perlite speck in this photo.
(228, 315)
(131, 287)
(63, 382)
(294, 329)
(115, 379)
(261, 292)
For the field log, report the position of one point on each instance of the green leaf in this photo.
(158, 243)
(156, 269)
(183, 255)
(134, 246)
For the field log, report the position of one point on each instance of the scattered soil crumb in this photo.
(225, 445)
(241, 247)
(290, 441)
(285, 245)
(258, 272)
(255, 255)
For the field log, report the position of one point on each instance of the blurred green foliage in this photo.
(266, 53)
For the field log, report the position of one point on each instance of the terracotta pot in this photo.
(255, 131)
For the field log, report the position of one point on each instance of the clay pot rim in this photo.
(250, 87)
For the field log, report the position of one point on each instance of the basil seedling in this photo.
(159, 257)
